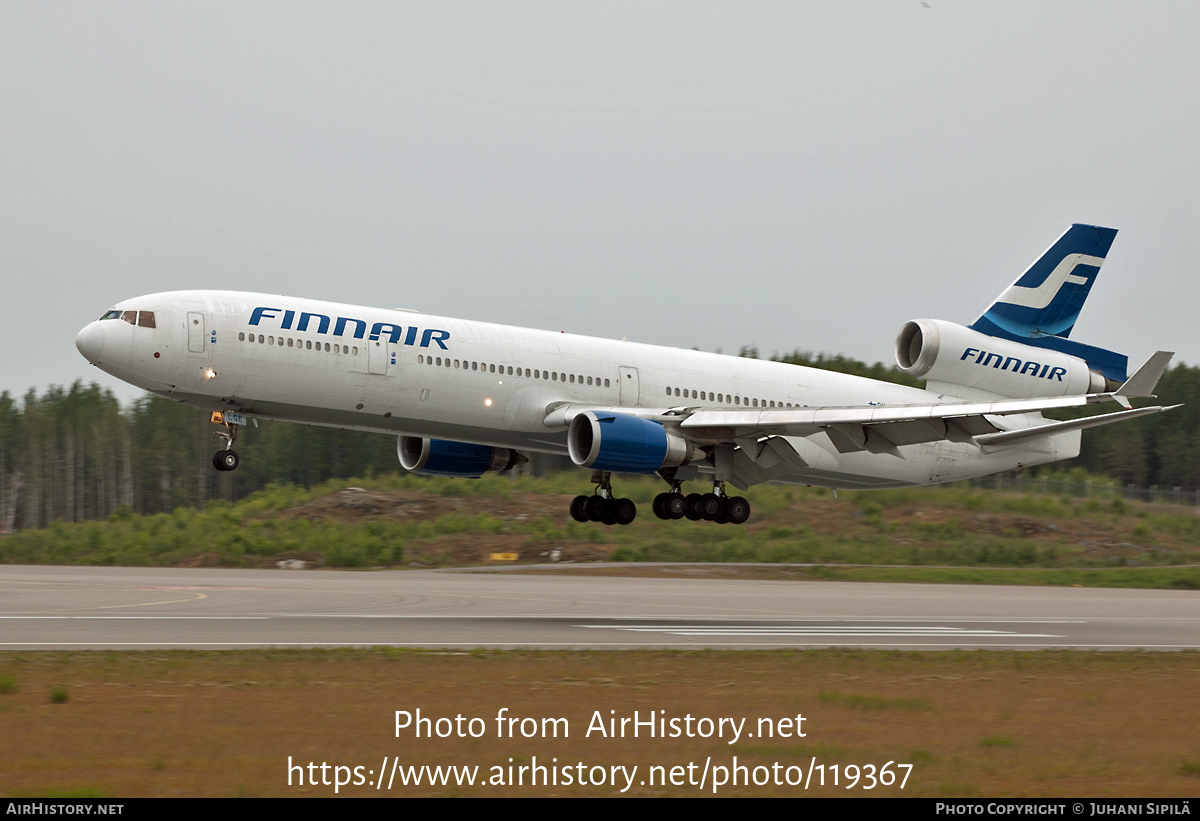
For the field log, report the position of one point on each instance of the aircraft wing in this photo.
(882, 428)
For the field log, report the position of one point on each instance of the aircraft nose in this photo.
(90, 342)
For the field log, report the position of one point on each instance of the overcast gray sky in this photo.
(692, 174)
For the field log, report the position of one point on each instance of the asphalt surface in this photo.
(53, 608)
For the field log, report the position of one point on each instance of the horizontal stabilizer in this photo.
(1011, 437)
(1143, 382)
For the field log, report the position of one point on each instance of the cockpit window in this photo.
(146, 319)
(111, 315)
(130, 317)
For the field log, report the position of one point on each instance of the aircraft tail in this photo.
(1041, 307)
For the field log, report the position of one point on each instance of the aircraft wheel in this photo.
(594, 508)
(710, 506)
(225, 460)
(624, 511)
(610, 512)
(659, 506)
(675, 506)
(722, 517)
(692, 508)
(738, 510)
(577, 508)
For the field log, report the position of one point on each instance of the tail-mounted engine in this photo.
(943, 352)
(440, 457)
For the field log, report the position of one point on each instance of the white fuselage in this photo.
(483, 383)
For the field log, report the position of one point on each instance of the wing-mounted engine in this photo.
(946, 353)
(626, 444)
(440, 457)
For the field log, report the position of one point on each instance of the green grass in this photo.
(790, 524)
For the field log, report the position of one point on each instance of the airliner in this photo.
(464, 397)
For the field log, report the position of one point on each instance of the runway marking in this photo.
(577, 617)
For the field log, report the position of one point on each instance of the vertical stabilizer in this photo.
(1041, 307)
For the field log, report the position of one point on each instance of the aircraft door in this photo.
(629, 386)
(195, 328)
(377, 356)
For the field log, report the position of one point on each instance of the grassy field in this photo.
(971, 724)
(389, 521)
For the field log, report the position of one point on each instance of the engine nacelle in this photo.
(944, 352)
(439, 457)
(625, 444)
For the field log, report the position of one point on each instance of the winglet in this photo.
(1144, 380)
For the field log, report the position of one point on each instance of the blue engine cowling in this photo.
(625, 444)
(440, 457)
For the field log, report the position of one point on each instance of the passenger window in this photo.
(241, 337)
(677, 391)
(308, 344)
(492, 369)
(326, 347)
(456, 363)
(606, 383)
(555, 377)
(510, 370)
(737, 400)
(439, 360)
(668, 391)
(289, 342)
(527, 372)
(693, 394)
(270, 340)
(421, 360)
(572, 378)
(474, 366)
(589, 380)
(354, 351)
(537, 374)
(146, 319)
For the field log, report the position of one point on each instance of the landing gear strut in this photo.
(227, 459)
(603, 506)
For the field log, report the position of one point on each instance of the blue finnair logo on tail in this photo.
(1041, 307)
(356, 327)
(1047, 298)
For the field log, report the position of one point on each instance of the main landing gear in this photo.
(603, 506)
(713, 507)
(227, 459)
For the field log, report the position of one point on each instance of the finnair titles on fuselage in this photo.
(467, 397)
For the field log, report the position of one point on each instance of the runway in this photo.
(58, 608)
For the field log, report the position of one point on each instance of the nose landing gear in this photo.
(227, 459)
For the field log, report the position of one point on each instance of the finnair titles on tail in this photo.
(464, 397)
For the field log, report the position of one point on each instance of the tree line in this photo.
(74, 454)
